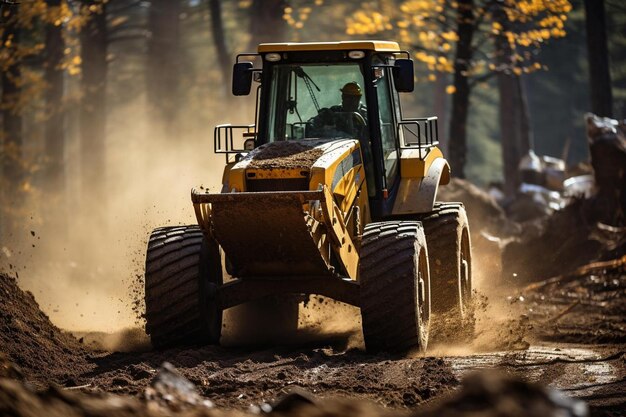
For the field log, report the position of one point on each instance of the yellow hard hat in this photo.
(352, 89)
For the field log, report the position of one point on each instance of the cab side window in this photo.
(387, 129)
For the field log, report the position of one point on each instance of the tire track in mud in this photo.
(241, 377)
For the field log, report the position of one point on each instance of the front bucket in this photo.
(266, 234)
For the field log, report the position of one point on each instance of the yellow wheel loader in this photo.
(332, 191)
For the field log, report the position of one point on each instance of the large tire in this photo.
(395, 286)
(450, 258)
(183, 273)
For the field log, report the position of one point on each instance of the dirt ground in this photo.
(568, 333)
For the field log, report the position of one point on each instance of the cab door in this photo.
(388, 130)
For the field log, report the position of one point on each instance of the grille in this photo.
(283, 184)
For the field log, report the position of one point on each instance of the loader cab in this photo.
(301, 98)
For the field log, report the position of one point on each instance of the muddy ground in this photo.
(567, 333)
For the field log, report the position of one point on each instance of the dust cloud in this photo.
(125, 340)
(83, 256)
(497, 319)
(320, 321)
(322, 317)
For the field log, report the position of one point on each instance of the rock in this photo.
(8, 369)
(295, 398)
(139, 373)
(490, 394)
(175, 391)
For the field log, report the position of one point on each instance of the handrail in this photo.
(425, 141)
(223, 141)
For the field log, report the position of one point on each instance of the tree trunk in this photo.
(509, 130)
(509, 113)
(526, 139)
(11, 157)
(55, 122)
(515, 134)
(608, 159)
(598, 56)
(164, 65)
(92, 118)
(460, 98)
(266, 25)
(440, 109)
(219, 40)
(266, 22)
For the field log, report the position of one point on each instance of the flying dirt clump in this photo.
(284, 155)
(40, 350)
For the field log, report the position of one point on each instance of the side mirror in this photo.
(403, 75)
(242, 78)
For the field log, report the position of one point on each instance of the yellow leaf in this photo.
(450, 89)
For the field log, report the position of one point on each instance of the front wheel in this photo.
(395, 286)
(183, 273)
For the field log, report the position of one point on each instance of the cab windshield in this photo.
(306, 102)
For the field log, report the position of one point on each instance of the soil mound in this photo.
(568, 239)
(284, 155)
(483, 212)
(41, 351)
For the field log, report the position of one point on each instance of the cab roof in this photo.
(379, 46)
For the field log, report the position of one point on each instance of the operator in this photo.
(351, 100)
(354, 122)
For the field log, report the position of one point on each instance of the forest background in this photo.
(108, 109)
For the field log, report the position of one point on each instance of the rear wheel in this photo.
(450, 259)
(183, 273)
(395, 286)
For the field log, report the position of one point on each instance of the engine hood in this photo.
(288, 165)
